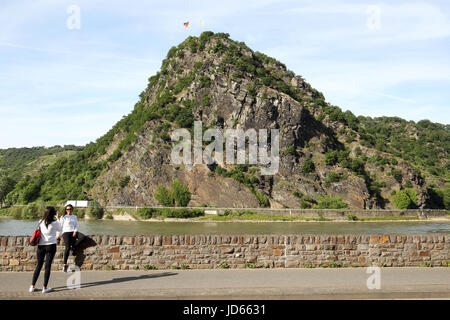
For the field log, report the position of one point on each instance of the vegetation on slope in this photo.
(423, 145)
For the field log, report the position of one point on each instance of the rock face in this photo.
(228, 86)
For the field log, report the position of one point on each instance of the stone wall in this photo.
(105, 252)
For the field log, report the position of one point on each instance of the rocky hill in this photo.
(325, 154)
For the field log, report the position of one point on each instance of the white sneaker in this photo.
(32, 289)
(47, 290)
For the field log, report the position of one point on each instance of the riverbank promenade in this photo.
(237, 284)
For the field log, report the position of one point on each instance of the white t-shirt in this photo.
(48, 235)
(69, 223)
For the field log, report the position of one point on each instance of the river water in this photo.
(12, 227)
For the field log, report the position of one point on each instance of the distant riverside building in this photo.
(78, 203)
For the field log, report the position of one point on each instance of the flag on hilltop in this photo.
(186, 24)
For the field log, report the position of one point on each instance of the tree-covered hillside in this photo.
(17, 162)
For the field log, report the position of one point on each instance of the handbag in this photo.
(34, 240)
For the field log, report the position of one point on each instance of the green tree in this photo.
(329, 202)
(446, 197)
(180, 193)
(33, 210)
(163, 196)
(178, 196)
(405, 199)
(6, 186)
(95, 210)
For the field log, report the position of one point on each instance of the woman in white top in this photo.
(50, 229)
(69, 223)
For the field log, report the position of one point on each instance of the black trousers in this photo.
(71, 242)
(47, 252)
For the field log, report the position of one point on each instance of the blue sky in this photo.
(63, 85)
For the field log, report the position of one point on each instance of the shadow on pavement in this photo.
(118, 280)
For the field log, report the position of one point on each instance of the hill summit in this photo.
(327, 158)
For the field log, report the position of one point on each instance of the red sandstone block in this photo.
(277, 252)
(374, 239)
(116, 256)
(167, 240)
(227, 249)
(113, 249)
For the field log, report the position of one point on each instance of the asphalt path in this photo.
(235, 284)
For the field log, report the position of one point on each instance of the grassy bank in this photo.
(35, 210)
(249, 215)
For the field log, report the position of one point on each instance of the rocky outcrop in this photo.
(228, 96)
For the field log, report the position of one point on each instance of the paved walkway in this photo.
(236, 284)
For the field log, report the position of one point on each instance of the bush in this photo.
(397, 174)
(336, 156)
(329, 202)
(262, 199)
(405, 199)
(182, 213)
(172, 52)
(79, 212)
(124, 181)
(95, 210)
(308, 166)
(33, 211)
(206, 101)
(146, 213)
(305, 204)
(15, 212)
(109, 216)
(334, 177)
(205, 82)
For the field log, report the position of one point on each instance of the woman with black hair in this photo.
(70, 234)
(50, 229)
